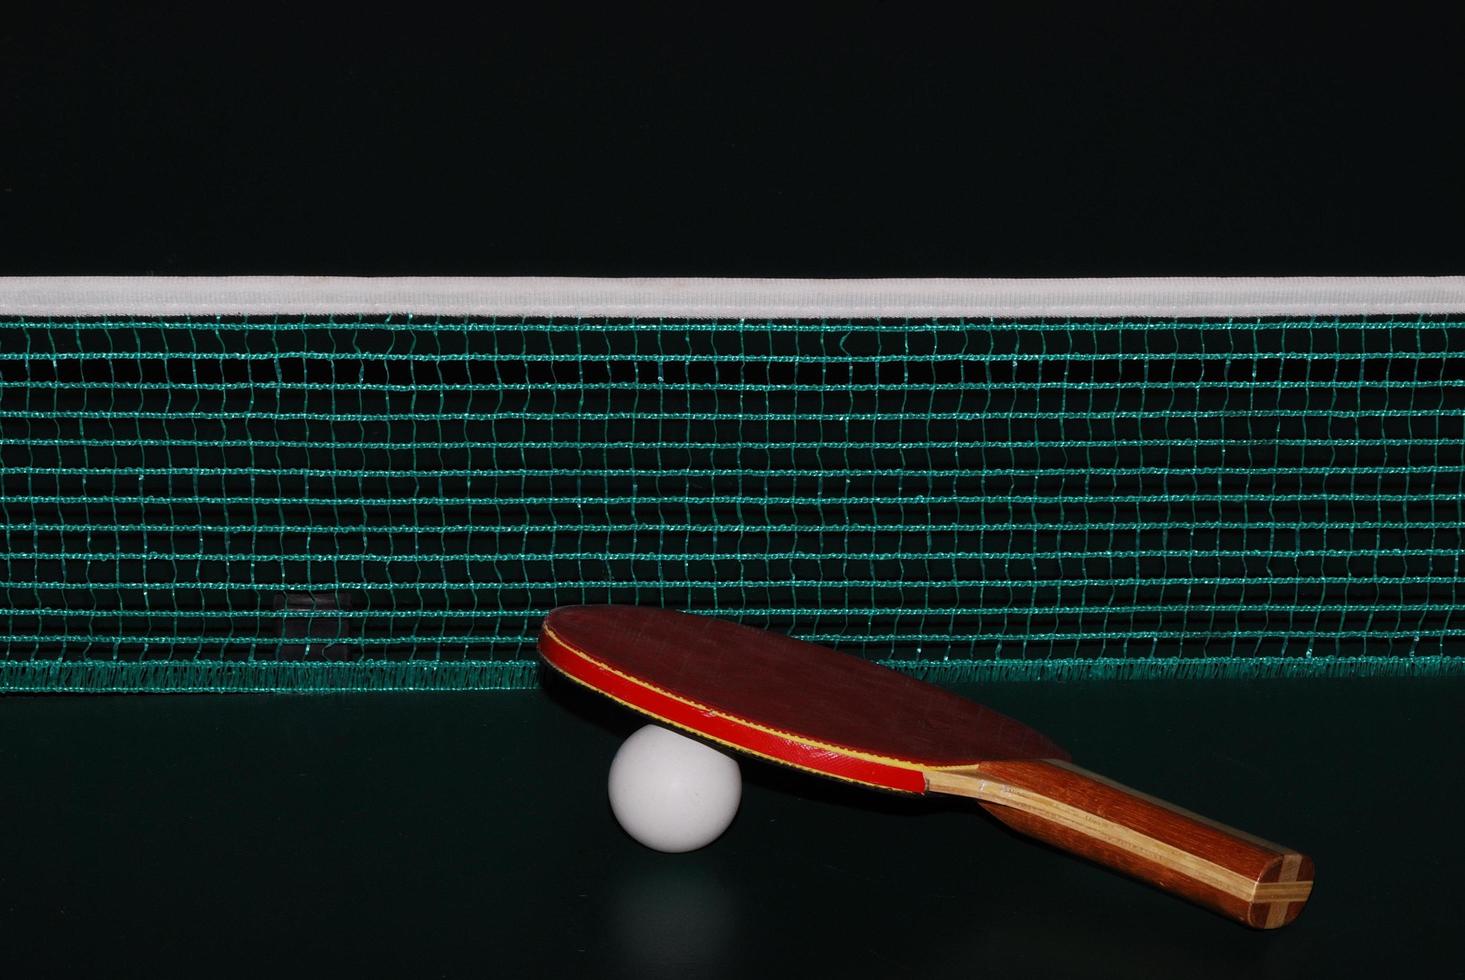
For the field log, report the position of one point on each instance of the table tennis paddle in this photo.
(829, 713)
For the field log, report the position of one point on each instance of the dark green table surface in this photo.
(468, 835)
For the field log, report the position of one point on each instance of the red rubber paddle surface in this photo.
(781, 698)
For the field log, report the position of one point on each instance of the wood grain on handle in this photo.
(1259, 883)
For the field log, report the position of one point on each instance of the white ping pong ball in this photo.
(673, 793)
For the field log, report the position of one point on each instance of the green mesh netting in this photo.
(299, 503)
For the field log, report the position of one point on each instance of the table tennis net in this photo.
(311, 503)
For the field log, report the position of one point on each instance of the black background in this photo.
(463, 835)
(1190, 140)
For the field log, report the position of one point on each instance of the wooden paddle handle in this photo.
(1261, 884)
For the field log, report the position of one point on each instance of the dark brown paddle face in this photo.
(703, 674)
